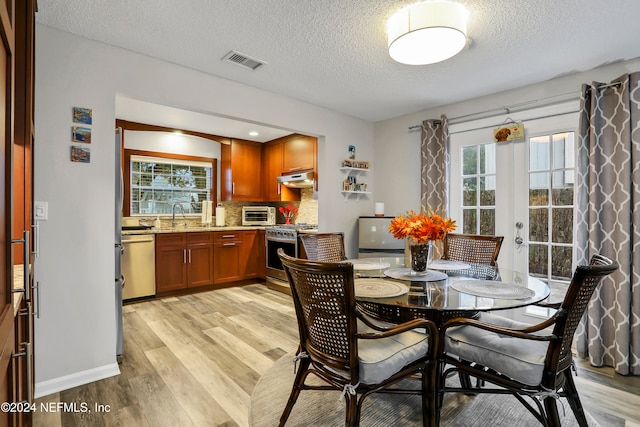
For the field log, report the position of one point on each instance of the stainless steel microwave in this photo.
(258, 215)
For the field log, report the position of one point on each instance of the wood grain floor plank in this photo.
(266, 302)
(192, 397)
(217, 382)
(277, 337)
(160, 407)
(242, 350)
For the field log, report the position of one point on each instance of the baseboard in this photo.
(76, 379)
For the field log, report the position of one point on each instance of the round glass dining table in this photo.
(385, 289)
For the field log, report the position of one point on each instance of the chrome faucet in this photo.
(173, 214)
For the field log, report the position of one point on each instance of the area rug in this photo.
(322, 408)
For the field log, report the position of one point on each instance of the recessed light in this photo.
(254, 133)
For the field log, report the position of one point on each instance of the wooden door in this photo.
(250, 255)
(246, 171)
(199, 259)
(171, 262)
(272, 166)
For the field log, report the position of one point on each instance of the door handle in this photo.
(519, 240)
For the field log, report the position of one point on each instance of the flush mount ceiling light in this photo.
(426, 33)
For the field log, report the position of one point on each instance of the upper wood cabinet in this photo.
(285, 156)
(241, 171)
(298, 154)
(272, 168)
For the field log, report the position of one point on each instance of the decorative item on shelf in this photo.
(289, 211)
(359, 164)
(420, 230)
(352, 152)
(350, 184)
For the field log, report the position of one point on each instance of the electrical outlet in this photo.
(41, 211)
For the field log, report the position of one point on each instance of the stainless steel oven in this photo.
(285, 237)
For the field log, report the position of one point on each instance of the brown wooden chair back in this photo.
(472, 248)
(324, 247)
(583, 284)
(324, 301)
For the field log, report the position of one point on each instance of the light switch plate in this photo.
(41, 211)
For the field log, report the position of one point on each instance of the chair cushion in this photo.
(381, 358)
(522, 360)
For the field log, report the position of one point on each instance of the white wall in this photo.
(76, 333)
(395, 144)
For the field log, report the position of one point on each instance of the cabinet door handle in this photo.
(279, 188)
(25, 351)
(184, 256)
(189, 256)
(233, 188)
(228, 236)
(228, 244)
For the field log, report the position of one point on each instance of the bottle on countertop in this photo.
(157, 223)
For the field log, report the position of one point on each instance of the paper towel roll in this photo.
(207, 212)
(379, 209)
(220, 216)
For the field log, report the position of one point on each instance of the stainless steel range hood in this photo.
(299, 180)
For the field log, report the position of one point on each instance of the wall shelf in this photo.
(354, 173)
(348, 194)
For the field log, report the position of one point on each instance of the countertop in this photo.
(191, 229)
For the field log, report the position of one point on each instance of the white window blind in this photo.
(158, 183)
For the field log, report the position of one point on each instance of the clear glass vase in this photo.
(421, 256)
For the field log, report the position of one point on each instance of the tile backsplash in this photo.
(307, 212)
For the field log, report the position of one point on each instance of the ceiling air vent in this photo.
(243, 60)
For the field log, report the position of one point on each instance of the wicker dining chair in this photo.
(472, 248)
(348, 351)
(523, 360)
(479, 251)
(325, 247)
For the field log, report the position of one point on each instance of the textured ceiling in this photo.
(333, 53)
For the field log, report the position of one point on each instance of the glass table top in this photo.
(476, 288)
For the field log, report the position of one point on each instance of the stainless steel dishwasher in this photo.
(138, 266)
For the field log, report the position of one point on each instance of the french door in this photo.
(522, 190)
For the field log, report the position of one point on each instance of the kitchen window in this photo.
(156, 182)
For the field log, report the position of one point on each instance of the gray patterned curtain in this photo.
(435, 164)
(435, 168)
(608, 220)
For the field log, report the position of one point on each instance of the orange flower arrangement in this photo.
(421, 227)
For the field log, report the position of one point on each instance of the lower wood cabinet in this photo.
(239, 255)
(193, 259)
(183, 260)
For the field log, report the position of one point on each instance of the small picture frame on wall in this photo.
(82, 115)
(80, 154)
(81, 134)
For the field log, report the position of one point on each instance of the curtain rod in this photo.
(508, 109)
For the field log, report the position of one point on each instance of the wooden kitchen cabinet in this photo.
(272, 162)
(199, 259)
(252, 254)
(183, 260)
(299, 153)
(239, 255)
(241, 171)
(227, 262)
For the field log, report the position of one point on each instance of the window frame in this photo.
(126, 173)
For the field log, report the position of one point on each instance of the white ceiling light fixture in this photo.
(426, 33)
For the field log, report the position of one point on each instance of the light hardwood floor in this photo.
(194, 360)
